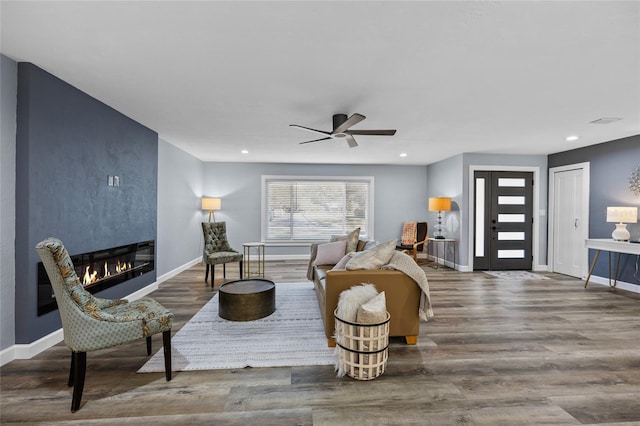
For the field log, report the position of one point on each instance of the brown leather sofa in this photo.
(401, 292)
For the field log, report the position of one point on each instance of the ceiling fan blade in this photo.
(309, 129)
(371, 132)
(351, 141)
(354, 119)
(316, 140)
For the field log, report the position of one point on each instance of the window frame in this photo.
(297, 178)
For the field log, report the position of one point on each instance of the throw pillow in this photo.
(374, 311)
(330, 253)
(373, 258)
(342, 263)
(351, 238)
(350, 300)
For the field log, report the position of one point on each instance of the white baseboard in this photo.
(29, 350)
(162, 278)
(286, 257)
(634, 288)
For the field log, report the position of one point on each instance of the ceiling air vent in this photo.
(605, 120)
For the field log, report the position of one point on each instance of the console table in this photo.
(437, 242)
(611, 246)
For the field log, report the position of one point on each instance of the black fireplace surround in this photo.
(99, 270)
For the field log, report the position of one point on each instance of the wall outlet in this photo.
(113, 180)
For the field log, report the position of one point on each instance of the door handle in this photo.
(575, 223)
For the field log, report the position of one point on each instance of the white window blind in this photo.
(298, 208)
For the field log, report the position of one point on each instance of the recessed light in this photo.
(404, 154)
(572, 138)
(244, 151)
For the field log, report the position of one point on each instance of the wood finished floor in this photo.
(497, 352)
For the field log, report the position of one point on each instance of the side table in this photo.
(253, 259)
(441, 242)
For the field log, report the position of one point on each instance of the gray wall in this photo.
(503, 162)
(8, 94)
(400, 195)
(611, 165)
(67, 143)
(180, 178)
(444, 179)
(450, 178)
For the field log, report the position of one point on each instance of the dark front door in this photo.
(503, 220)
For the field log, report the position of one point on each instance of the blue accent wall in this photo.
(67, 143)
(611, 165)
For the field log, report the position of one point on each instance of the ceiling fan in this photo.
(341, 126)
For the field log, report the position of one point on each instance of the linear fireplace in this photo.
(99, 270)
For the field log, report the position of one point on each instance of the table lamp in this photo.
(439, 204)
(211, 204)
(622, 215)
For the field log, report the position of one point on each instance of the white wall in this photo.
(179, 235)
(8, 98)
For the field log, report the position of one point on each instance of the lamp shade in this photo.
(211, 203)
(622, 214)
(440, 204)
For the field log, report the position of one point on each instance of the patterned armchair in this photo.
(217, 249)
(90, 323)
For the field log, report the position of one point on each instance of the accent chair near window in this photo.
(217, 249)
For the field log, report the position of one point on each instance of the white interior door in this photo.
(569, 222)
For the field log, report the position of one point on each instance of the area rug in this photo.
(292, 336)
(516, 275)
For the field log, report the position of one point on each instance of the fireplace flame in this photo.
(90, 277)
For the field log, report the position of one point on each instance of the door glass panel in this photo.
(480, 217)
(511, 236)
(502, 218)
(511, 182)
(510, 254)
(511, 200)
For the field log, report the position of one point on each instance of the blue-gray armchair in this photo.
(90, 323)
(217, 249)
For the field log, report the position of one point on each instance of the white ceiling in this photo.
(215, 77)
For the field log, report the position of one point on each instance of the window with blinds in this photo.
(301, 209)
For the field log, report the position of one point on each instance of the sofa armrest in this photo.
(402, 295)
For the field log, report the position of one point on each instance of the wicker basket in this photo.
(363, 348)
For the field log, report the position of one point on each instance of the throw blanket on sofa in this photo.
(405, 263)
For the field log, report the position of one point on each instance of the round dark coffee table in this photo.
(246, 300)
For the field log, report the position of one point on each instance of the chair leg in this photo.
(79, 362)
(71, 370)
(206, 274)
(224, 270)
(213, 275)
(166, 344)
(148, 345)
(241, 269)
